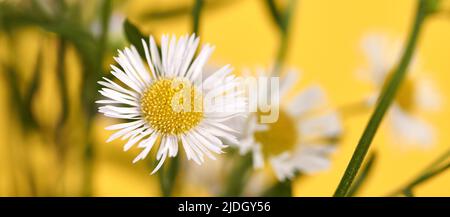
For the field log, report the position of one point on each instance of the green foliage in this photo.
(134, 36)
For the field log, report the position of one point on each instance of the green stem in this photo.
(168, 175)
(429, 175)
(362, 177)
(239, 175)
(279, 189)
(429, 172)
(90, 87)
(196, 11)
(284, 25)
(59, 133)
(385, 100)
(439, 160)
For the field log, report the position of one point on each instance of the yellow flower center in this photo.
(172, 106)
(281, 135)
(405, 94)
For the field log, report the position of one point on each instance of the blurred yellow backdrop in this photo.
(325, 45)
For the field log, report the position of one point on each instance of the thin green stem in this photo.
(362, 177)
(168, 175)
(279, 189)
(385, 100)
(439, 160)
(429, 175)
(196, 12)
(64, 96)
(239, 175)
(284, 26)
(90, 79)
(432, 170)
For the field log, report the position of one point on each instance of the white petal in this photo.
(147, 144)
(310, 99)
(196, 68)
(410, 130)
(155, 56)
(288, 81)
(124, 131)
(148, 58)
(327, 125)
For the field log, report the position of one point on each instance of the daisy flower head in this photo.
(416, 94)
(166, 103)
(300, 139)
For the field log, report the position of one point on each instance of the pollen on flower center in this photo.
(172, 106)
(281, 135)
(406, 93)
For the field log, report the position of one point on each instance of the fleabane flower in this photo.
(417, 94)
(167, 104)
(300, 140)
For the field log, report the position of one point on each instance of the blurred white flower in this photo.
(149, 98)
(302, 138)
(416, 94)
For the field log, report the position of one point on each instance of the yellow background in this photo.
(325, 45)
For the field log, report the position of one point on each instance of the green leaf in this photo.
(196, 16)
(383, 104)
(134, 36)
(276, 15)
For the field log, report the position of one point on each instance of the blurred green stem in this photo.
(239, 175)
(276, 17)
(196, 12)
(168, 175)
(63, 91)
(91, 87)
(279, 189)
(384, 101)
(283, 21)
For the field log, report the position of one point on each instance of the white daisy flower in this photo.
(166, 102)
(302, 138)
(416, 94)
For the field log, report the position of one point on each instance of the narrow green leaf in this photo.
(196, 11)
(275, 14)
(134, 36)
(384, 102)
